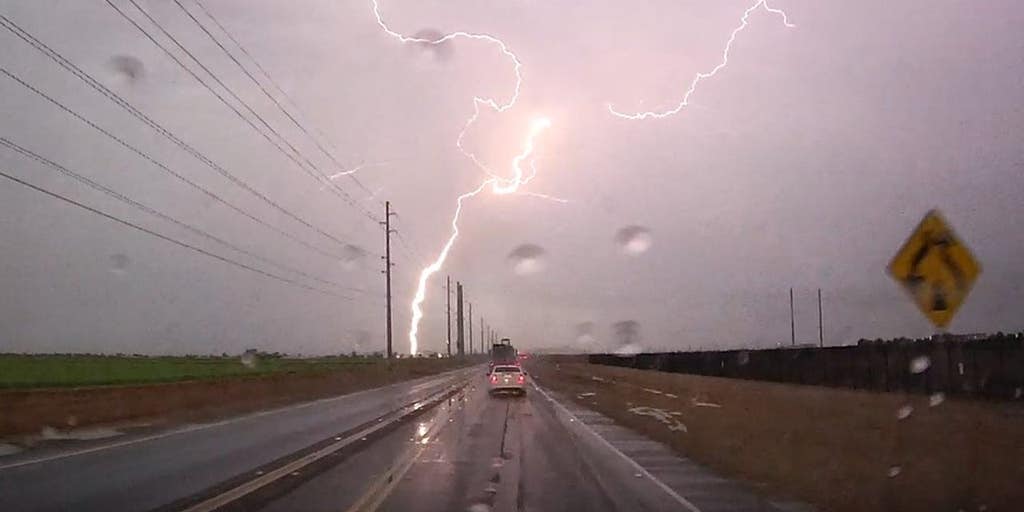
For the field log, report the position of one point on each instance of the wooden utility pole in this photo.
(792, 320)
(460, 324)
(821, 329)
(470, 326)
(448, 308)
(387, 272)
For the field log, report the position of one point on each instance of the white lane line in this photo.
(293, 467)
(204, 426)
(636, 465)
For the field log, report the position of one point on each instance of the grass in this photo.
(45, 371)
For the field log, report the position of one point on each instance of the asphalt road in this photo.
(485, 453)
(472, 452)
(142, 473)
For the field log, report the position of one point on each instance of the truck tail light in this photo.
(521, 378)
(494, 379)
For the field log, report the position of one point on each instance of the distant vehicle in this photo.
(503, 353)
(507, 378)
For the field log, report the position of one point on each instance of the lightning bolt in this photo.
(699, 77)
(499, 186)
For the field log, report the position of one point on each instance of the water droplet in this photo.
(1017, 393)
(526, 259)
(438, 51)
(633, 240)
(127, 69)
(479, 507)
(920, 364)
(894, 471)
(743, 358)
(352, 257)
(904, 412)
(936, 399)
(72, 420)
(8, 449)
(119, 263)
(249, 359)
(638, 475)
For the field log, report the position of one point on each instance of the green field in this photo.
(40, 371)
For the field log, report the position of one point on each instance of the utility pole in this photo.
(821, 330)
(460, 323)
(387, 271)
(792, 320)
(470, 327)
(482, 335)
(448, 308)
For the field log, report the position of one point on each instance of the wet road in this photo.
(484, 453)
(142, 473)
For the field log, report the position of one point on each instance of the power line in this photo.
(322, 178)
(245, 70)
(118, 100)
(167, 238)
(131, 202)
(180, 177)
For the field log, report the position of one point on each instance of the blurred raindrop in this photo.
(585, 335)
(936, 399)
(1017, 393)
(119, 263)
(904, 412)
(894, 471)
(633, 240)
(127, 69)
(440, 52)
(8, 449)
(248, 358)
(526, 259)
(920, 364)
(352, 257)
(479, 507)
(743, 358)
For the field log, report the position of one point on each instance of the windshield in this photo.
(292, 255)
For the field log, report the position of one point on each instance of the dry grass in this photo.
(830, 447)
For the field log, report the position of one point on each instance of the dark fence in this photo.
(992, 367)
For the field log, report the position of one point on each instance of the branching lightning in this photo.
(512, 185)
(500, 186)
(699, 77)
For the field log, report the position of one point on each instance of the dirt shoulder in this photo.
(30, 411)
(841, 450)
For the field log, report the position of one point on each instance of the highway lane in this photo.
(485, 453)
(151, 471)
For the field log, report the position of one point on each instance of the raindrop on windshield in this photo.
(249, 359)
(440, 52)
(585, 335)
(743, 358)
(920, 364)
(633, 240)
(526, 259)
(936, 399)
(127, 69)
(894, 470)
(352, 257)
(627, 337)
(119, 263)
(904, 412)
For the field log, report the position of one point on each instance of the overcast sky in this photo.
(805, 162)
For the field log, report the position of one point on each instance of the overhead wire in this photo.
(166, 238)
(168, 170)
(258, 84)
(152, 211)
(117, 99)
(315, 173)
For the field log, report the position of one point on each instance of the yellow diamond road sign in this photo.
(935, 268)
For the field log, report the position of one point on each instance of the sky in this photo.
(804, 163)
